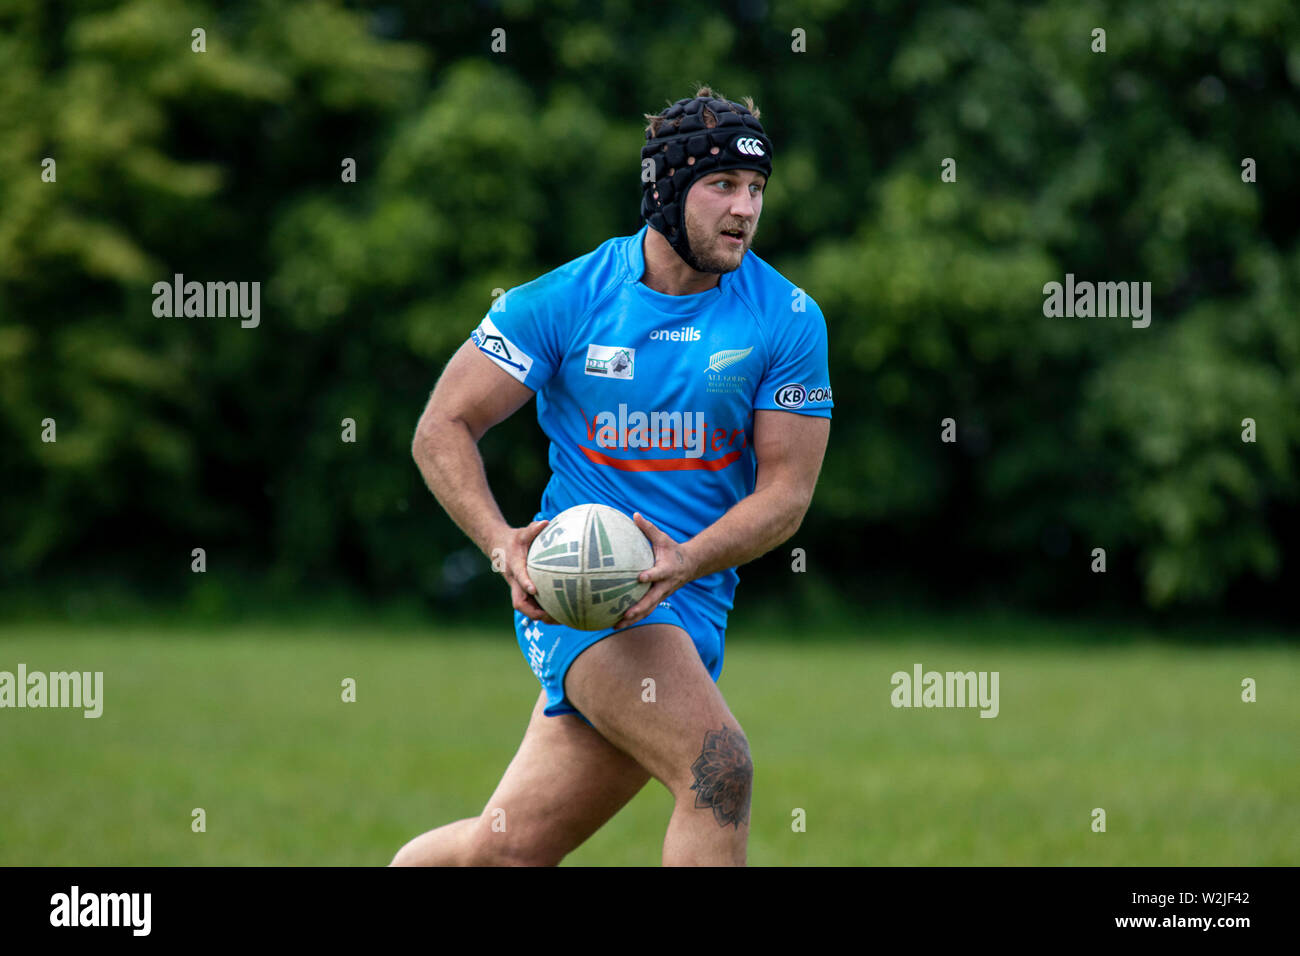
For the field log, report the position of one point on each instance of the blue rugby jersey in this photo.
(648, 399)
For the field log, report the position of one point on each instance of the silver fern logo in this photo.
(731, 383)
(727, 358)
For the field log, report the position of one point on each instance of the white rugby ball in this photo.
(584, 565)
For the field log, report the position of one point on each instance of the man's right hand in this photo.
(515, 569)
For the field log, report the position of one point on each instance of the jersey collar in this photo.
(636, 269)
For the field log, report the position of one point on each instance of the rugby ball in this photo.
(584, 565)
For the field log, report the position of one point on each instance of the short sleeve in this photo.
(519, 333)
(797, 378)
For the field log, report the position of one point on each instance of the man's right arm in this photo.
(471, 396)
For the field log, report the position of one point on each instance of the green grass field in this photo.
(247, 723)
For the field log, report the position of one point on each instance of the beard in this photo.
(707, 264)
(698, 237)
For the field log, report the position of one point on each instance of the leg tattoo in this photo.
(723, 777)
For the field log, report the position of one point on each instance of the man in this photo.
(684, 381)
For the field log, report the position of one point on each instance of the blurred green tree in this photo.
(478, 170)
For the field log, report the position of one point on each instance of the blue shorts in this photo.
(551, 648)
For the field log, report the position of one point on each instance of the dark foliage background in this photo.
(481, 170)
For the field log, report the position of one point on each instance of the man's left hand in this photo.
(673, 567)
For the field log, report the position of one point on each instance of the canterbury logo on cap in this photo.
(749, 146)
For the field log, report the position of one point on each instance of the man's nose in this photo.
(743, 207)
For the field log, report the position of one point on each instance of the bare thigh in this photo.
(687, 738)
(563, 784)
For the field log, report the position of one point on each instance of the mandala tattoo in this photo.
(723, 776)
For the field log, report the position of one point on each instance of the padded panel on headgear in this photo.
(741, 144)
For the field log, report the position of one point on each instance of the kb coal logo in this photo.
(795, 395)
(791, 396)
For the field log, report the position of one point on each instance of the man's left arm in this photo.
(789, 449)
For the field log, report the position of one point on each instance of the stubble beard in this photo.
(710, 262)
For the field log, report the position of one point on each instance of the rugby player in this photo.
(682, 380)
